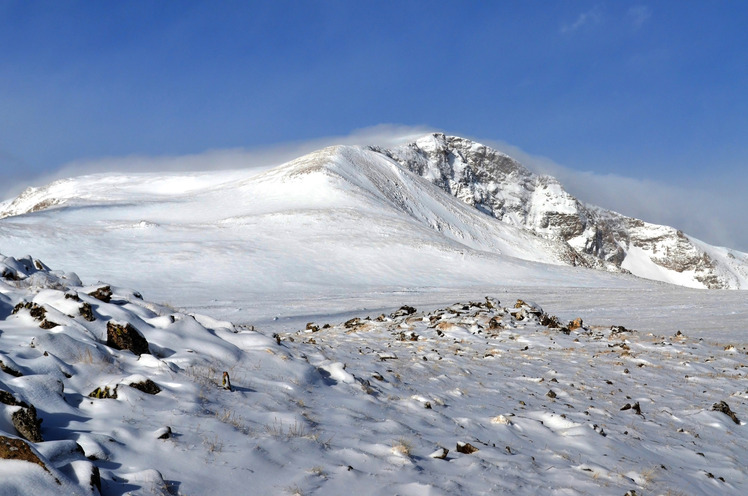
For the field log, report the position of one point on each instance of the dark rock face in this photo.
(87, 312)
(104, 294)
(126, 338)
(724, 408)
(27, 425)
(24, 419)
(16, 449)
(103, 393)
(9, 371)
(147, 386)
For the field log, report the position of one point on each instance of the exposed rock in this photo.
(577, 323)
(352, 323)
(440, 454)
(72, 295)
(583, 235)
(103, 393)
(616, 329)
(16, 449)
(36, 311)
(147, 386)
(46, 324)
(403, 311)
(226, 382)
(466, 448)
(27, 424)
(163, 432)
(126, 337)
(87, 312)
(24, 419)
(103, 293)
(724, 408)
(95, 478)
(9, 370)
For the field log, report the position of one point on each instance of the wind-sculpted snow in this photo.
(472, 398)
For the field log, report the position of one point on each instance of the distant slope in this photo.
(337, 221)
(441, 212)
(496, 184)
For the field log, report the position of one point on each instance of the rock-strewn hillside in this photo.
(498, 185)
(103, 392)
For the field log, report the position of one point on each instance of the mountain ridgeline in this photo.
(501, 187)
(474, 213)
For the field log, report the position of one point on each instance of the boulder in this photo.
(17, 449)
(24, 419)
(147, 386)
(103, 293)
(126, 337)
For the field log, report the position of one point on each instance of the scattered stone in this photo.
(147, 386)
(103, 393)
(87, 312)
(36, 311)
(226, 383)
(104, 294)
(9, 370)
(439, 454)
(17, 449)
(724, 408)
(403, 311)
(352, 323)
(312, 327)
(625, 407)
(27, 424)
(126, 338)
(72, 295)
(466, 448)
(551, 394)
(577, 323)
(24, 419)
(615, 330)
(46, 324)
(163, 432)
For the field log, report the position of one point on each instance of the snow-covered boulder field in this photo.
(103, 392)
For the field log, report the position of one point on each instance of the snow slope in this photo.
(500, 186)
(482, 397)
(341, 220)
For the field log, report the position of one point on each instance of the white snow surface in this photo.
(233, 265)
(383, 403)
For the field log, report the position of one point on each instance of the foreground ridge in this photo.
(470, 398)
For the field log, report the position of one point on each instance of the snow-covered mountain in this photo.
(501, 187)
(441, 211)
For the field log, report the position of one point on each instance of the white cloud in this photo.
(385, 135)
(592, 16)
(639, 15)
(713, 213)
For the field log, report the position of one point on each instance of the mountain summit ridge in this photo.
(501, 187)
(439, 191)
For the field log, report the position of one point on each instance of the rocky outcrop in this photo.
(501, 187)
(24, 418)
(16, 449)
(126, 337)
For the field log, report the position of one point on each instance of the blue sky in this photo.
(649, 91)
